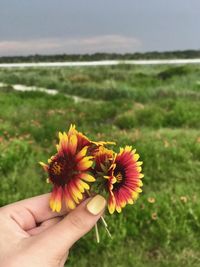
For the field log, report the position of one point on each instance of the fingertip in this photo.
(96, 205)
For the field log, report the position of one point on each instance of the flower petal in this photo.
(68, 199)
(72, 145)
(136, 157)
(87, 177)
(44, 166)
(111, 204)
(84, 185)
(84, 164)
(56, 199)
(81, 153)
(75, 192)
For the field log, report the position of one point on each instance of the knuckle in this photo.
(77, 222)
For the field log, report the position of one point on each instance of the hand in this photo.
(32, 235)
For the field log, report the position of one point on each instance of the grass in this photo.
(154, 108)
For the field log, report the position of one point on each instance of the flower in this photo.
(154, 216)
(69, 169)
(103, 168)
(124, 179)
(151, 200)
(184, 199)
(103, 158)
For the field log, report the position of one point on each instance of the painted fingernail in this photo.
(96, 204)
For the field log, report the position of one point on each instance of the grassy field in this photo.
(154, 108)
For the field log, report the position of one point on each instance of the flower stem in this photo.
(104, 222)
(97, 233)
(106, 226)
(96, 225)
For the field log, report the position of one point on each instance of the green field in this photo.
(156, 109)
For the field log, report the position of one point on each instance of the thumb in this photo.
(77, 223)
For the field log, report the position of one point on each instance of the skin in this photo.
(32, 235)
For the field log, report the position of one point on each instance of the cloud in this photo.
(104, 43)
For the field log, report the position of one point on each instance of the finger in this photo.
(44, 226)
(76, 224)
(29, 212)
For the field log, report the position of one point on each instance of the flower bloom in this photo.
(103, 158)
(69, 169)
(124, 179)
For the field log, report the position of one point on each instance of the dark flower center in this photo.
(120, 176)
(62, 170)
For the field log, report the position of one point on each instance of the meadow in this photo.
(156, 109)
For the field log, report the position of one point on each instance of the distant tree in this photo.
(103, 56)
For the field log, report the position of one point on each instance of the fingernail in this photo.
(96, 204)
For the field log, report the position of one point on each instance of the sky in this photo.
(89, 26)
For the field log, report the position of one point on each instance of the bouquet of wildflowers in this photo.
(82, 167)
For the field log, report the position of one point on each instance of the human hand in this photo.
(32, 235)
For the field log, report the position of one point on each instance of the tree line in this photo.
(102, 56)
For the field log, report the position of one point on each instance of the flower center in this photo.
(62, 170)
(57, 168)
(119, 177)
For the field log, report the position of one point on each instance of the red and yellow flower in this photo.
(124, 180)
(69, 169)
